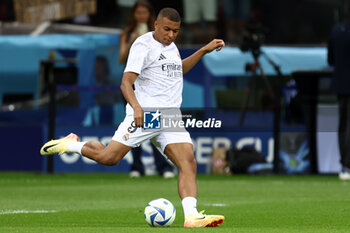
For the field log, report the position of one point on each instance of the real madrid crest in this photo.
(126, 136)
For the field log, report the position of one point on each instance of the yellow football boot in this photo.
(58, 146)
(203, 220)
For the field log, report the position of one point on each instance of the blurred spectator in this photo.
(104, 99)
(102, 77)
(237, 13)
(124, 11)
(339, 57)
(201, 17)
(141, 21)
(102, 71)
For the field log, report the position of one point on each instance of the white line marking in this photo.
(26, 211)
(216, 204)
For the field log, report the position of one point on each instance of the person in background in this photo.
(237, 13)
(141, 21)
(102, 78)
(123, 12)
(339, 57)
(198, 13)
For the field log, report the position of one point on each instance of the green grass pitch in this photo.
(115, 203)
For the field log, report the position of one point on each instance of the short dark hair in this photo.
(169, 13)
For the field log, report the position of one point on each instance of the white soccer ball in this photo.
(160, 213)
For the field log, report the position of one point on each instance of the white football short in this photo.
(129, 135)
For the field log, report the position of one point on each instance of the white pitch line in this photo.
(216, 204)
(26, 211)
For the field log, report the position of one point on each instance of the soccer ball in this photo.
(160, 213)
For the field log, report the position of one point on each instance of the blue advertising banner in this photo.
(203, 142)
(20, 145)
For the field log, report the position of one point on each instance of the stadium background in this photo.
(214, 88)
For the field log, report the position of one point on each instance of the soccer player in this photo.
(155, 68)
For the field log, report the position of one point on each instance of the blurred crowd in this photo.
(282, 22)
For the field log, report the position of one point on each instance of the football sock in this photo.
(75, 147)
(190, 205)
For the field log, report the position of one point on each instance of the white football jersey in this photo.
(160, 79)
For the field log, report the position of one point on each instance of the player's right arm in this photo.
(135, 64)
(129, 95)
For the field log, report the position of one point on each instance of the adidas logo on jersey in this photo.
(161, 57)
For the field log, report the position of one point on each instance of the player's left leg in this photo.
(181, 154)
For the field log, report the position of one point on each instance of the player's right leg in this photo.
(126, 137)
(107, 155)
(58, 146)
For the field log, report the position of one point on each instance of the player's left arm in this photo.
(189, 62)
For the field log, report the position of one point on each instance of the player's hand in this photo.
(138, 117)
(216, 44)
